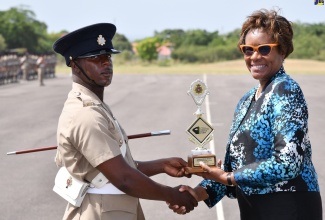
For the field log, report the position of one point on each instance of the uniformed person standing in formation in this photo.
(41, 64)
(90, 139)
(9, 67)
(3, 69)
(50, 62)
(25, 66)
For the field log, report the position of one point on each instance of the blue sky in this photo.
(137, 19)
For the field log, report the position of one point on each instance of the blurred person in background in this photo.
(25, 68)
(41, 64)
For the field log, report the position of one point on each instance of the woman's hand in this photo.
(213, 173)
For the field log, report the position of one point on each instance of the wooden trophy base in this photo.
(194, 162)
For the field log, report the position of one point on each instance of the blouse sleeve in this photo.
(216, 192)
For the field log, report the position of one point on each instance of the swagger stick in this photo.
(134, 136)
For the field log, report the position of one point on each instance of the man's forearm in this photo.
(150, 168)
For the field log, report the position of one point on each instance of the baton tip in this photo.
(11, 153)
(157, 133)
(166, 132)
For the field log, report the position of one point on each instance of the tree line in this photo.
(19, 28)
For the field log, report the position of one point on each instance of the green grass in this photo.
(292, 66)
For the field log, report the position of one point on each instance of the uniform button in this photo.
(121, 141)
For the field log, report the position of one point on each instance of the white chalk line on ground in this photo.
(219, 207)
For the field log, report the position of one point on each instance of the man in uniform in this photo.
(90, 140)
(41, 63)
(25, 66)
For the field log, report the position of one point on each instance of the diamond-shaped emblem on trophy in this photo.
(200, 131)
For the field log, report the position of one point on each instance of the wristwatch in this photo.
(229, 179)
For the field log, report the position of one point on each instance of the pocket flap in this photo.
(69, 185)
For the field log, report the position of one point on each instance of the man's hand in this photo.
(182, 209)
(175, 167)
(184, 206)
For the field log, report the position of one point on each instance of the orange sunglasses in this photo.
(263, 49)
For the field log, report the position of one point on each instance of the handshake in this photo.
(186, 198)
(192, 197)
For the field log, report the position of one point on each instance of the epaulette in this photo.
(86, 100)
(90, 103)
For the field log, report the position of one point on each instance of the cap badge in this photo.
(100, 40)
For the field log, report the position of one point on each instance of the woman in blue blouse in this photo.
(268, 165)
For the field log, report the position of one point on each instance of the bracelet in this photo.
(229, 179)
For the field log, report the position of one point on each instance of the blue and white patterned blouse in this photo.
(268, 147)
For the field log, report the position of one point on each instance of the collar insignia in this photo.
(101, 40)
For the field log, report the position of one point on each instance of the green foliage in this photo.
(309, 41)
(20, 28)
(202, 46)
(205, 54)
(164, 63)
(120, 42)
(175, 36)
(186, 54)
(147, 49)
(3, 44)
(198, 37)
(125, 56)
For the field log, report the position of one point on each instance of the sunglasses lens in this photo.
(248, 51)
(264, 50)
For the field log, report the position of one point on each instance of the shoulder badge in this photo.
(88, 103)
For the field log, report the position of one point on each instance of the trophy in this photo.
(200, 131)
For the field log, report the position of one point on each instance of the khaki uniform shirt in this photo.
(87, 136)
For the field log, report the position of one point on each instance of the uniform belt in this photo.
(106, 189)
